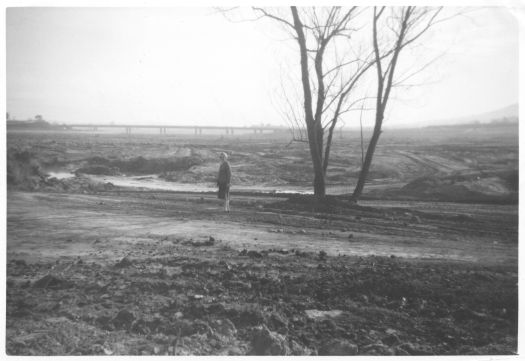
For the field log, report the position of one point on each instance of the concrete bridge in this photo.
(198, 129)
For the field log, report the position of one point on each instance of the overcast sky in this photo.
(192, 66)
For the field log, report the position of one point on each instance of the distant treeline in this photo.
(34, 124)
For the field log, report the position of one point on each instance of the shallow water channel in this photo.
(153, 182)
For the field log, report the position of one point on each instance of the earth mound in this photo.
(138, 165)
(498, 187)
(23, 170)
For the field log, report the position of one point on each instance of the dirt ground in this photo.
(98, 269)
(163, 273)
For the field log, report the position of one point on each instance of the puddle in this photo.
(153, 182)
(318, 314)
(61, 175)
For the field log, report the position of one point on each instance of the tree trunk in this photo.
(368, 159)
(313, 128)
(319, 184)
(319, 174)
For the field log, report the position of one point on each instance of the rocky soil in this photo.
(188, 297)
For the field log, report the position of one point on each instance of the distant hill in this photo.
(509, 113)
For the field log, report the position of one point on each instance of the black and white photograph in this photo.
(250, 180)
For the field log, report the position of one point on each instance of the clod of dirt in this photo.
(209, 242)
(299, 253)
(188, 328)
(268, 343)
(143, 327)
(49, 281)
(216, 308)
(391, 338)
(20, 262)
(224, 328)
(338, 348)
(278, 323)
(123, 319)
(254, 254)
(299, 350)
(416, 219)
(247, 316)
(415, 349)
(278, 250)
(46, 307)
(124, 262)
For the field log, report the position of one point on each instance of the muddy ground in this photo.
(104, 270)
(156, 273)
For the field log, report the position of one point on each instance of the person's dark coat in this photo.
(223, 180)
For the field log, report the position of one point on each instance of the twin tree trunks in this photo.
(406, 24)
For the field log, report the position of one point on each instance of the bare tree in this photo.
(332, 66)
(391, 33)
(330, 70)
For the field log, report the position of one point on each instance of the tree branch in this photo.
(271, 16)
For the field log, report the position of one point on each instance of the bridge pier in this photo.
(128, 130)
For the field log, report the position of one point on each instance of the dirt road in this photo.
(51, 225)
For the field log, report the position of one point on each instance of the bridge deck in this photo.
(174, 126)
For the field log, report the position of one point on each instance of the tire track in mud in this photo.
(433, 164)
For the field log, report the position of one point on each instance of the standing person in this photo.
(223, 181)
